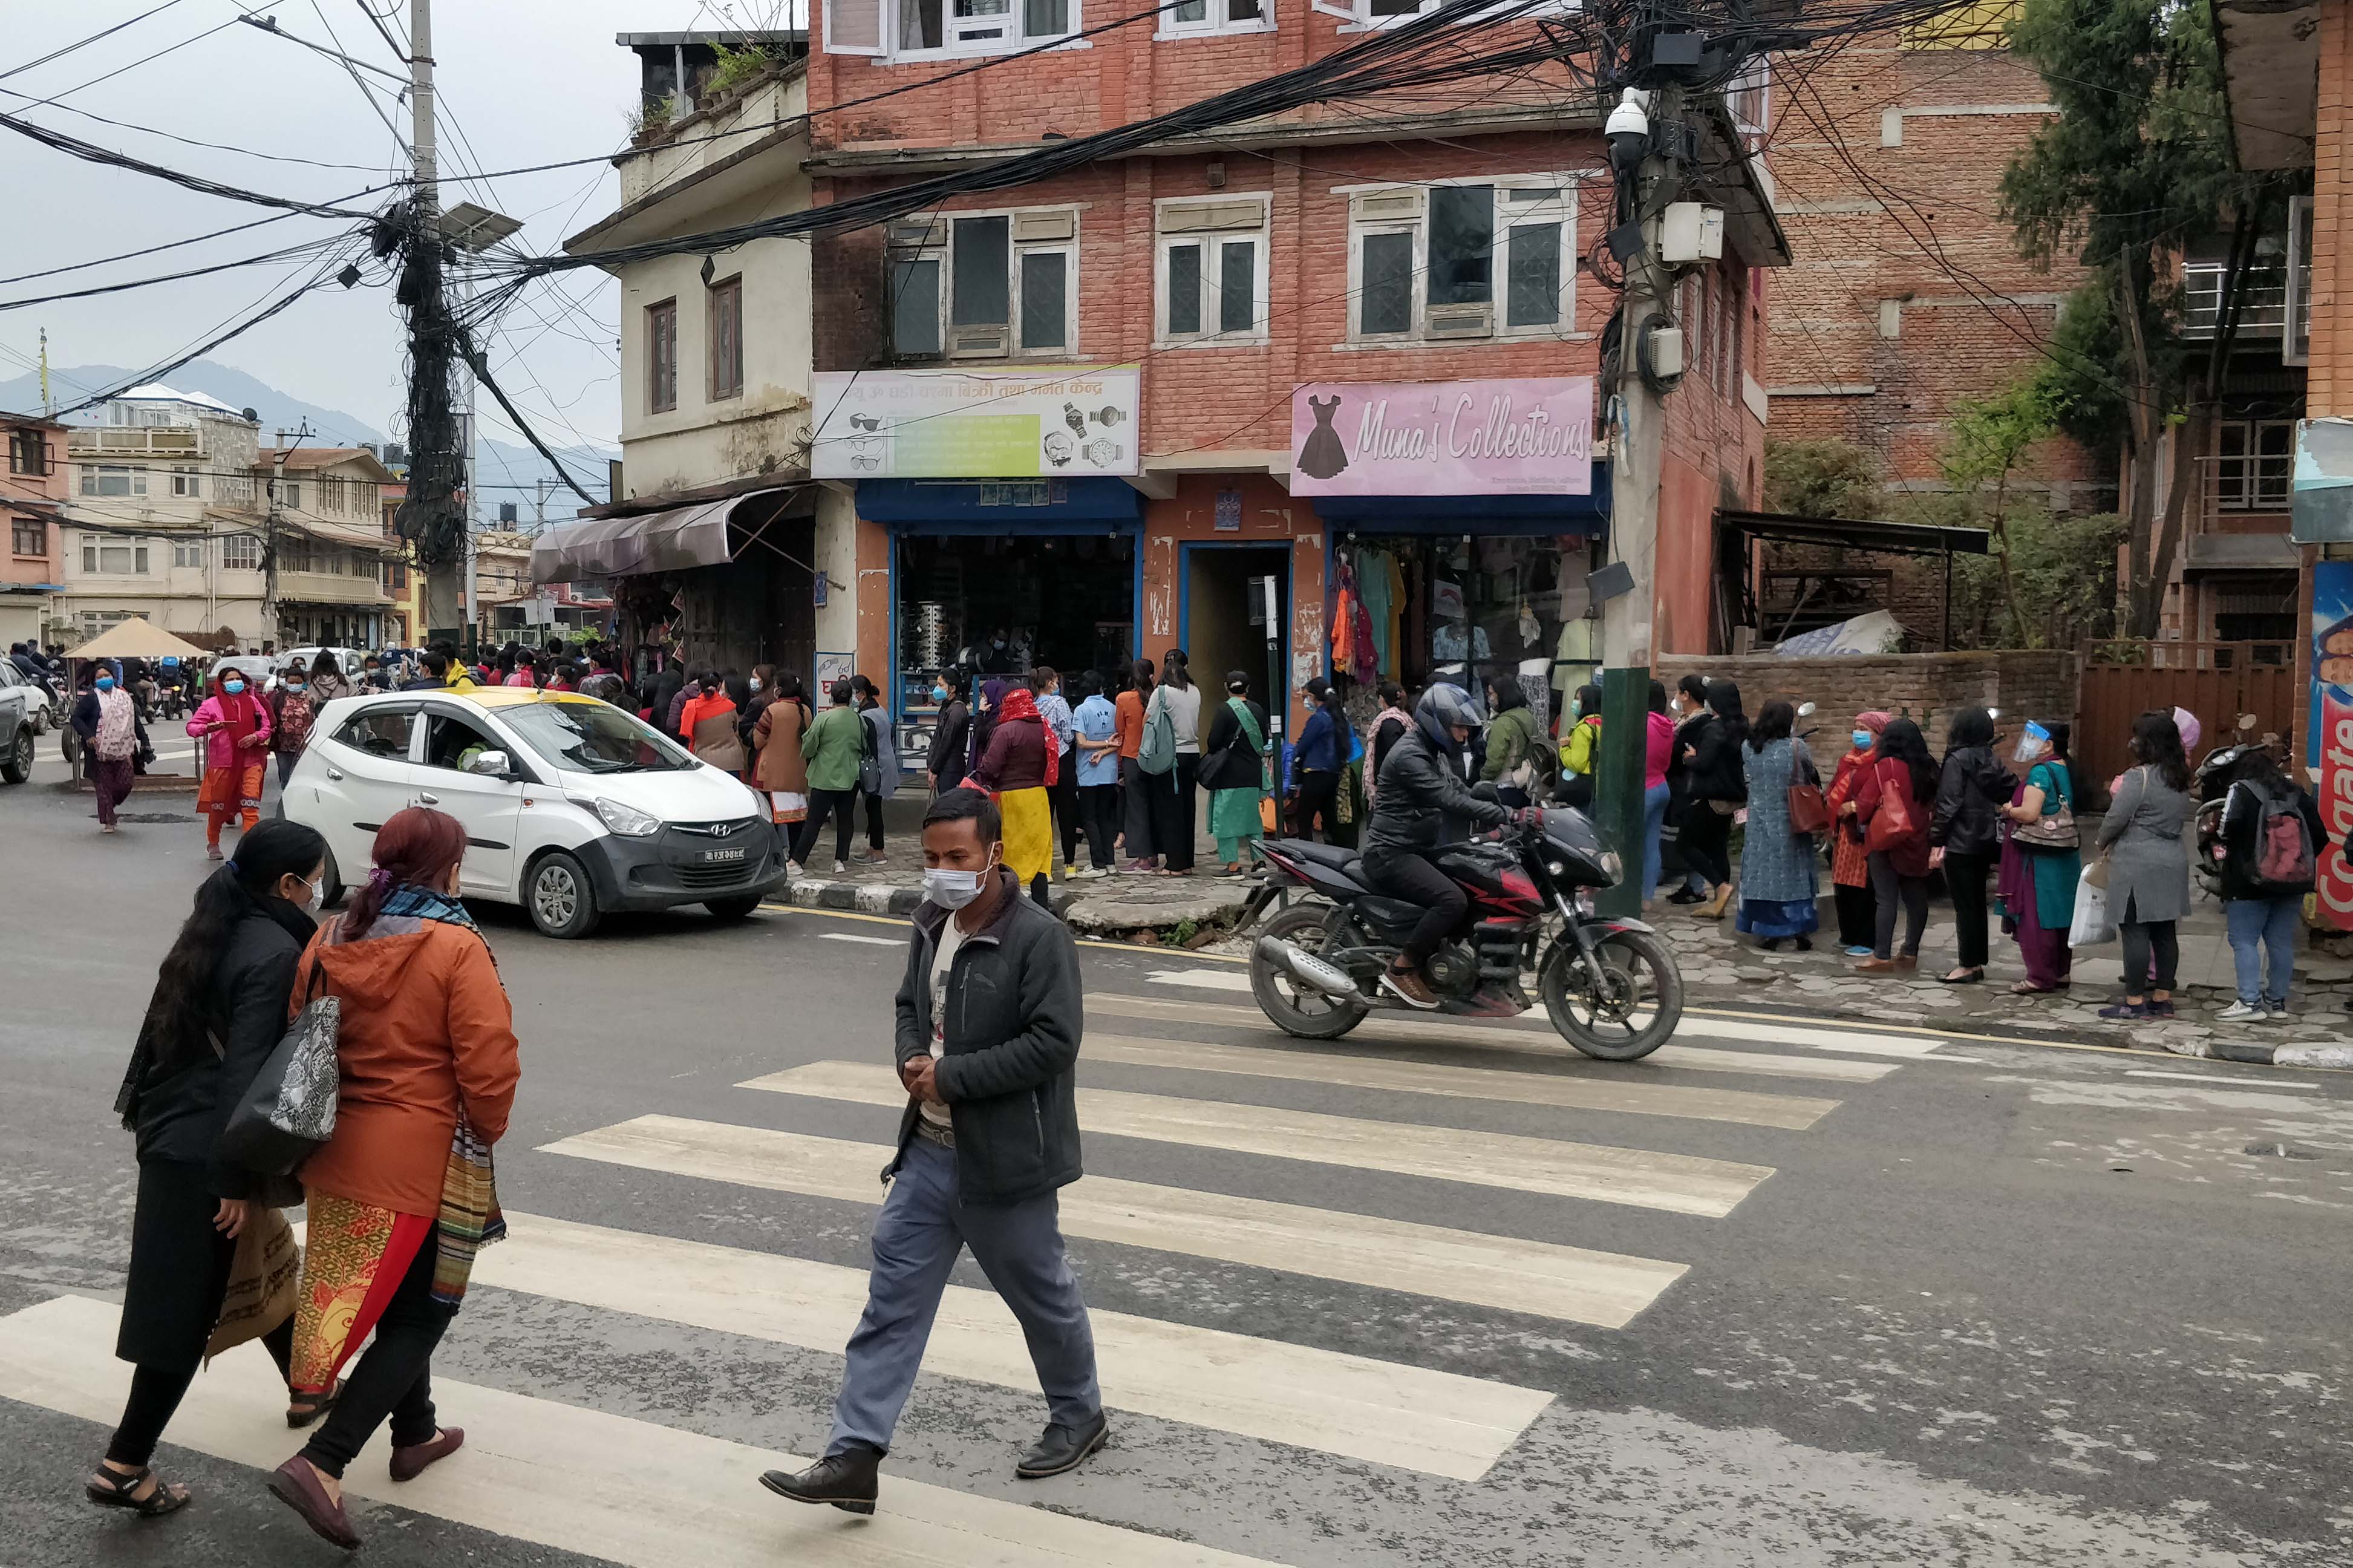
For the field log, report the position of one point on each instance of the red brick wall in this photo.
(1920, 224)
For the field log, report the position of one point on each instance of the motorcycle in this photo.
(2210, 786)
(1610, 985)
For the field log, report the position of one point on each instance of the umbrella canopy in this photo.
(136, 638)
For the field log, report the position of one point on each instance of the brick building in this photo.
(32, 496)
(1100, 414)
(1908, 296)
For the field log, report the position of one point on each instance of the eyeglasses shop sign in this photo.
(1443, 438)
(977, 424)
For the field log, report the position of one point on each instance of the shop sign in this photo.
(977, 424)
(1443, 438)
(2328, 744)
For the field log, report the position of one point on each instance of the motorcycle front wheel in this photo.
(1293, 1008)
(1632, 1012)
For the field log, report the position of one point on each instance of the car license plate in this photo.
(713, 857)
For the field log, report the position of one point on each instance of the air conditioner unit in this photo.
(1461, 321)
(980, 342)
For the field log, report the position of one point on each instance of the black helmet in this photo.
(1442, 708)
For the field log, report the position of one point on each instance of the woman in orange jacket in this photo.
(401, 1196)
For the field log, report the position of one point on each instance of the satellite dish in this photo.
(251, 414)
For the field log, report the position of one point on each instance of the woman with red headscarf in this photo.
(233, 725)
(1021, 764)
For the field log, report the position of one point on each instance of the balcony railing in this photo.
(2231, 489)
(2262, 301)
(135, 440)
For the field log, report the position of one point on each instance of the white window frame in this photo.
(1218, 20)
(1355, 16)
(289, 495)
(188, 483)
(240, 553)
(2297, 349)
(188, 555)
(93, 555)
(940, 228)
(959, 38)
(94, 476)
(1212, 238)
(1405, 210)
(2249, 492)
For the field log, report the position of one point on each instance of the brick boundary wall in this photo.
(1928, 688)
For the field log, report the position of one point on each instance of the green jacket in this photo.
(833, 745)
(1512, 739)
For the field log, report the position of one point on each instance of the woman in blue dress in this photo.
(1777, 864)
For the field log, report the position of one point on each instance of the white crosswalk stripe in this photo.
(1346, 1405)
(1568, 1092)
(1534, 1038)
(1679, 1183)
(1573, 1284)
(607, 1487)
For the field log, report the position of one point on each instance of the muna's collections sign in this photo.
(977, 424)
(1443, 438)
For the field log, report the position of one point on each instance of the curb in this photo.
(2257, 1053)
(875, 898)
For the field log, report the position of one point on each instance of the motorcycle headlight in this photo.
(1613, 866)
(627, 820)
(1558, 868)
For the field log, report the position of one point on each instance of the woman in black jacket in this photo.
(1692, 719)
(1965, 832)
(1719, 786)
(219, 1010)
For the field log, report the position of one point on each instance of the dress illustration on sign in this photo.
(1322, 456)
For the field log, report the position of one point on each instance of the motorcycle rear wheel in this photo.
(1643, 1004)
(1296, 1009)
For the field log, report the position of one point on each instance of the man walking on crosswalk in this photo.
(989, 1016)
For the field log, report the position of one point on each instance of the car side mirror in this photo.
(491, 765)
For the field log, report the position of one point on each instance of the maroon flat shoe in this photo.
(296, 1485)
(411, 1462)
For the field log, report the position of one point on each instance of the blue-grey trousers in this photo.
(917, 1236)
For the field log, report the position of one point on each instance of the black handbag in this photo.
(289, 1112)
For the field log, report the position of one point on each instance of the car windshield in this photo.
(594, 738)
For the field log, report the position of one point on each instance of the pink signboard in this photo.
(1443, 438)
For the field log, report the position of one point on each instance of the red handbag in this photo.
(1809, 812)
(1892, 822)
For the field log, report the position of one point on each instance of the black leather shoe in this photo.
(847, 1480)
(1685, 896)
(1062, 1450)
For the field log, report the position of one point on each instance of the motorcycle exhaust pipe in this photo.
(1308, 969)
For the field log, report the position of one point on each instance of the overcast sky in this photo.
(526, 82)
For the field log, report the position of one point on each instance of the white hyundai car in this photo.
(573, 808)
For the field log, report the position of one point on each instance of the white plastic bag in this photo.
(2091, 925)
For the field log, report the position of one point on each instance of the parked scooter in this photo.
(2210, 783)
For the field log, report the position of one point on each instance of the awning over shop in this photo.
(1533, 515)
(2224, 555)
(677, 540)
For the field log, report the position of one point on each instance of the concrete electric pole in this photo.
(442, 605)
(1645, 137)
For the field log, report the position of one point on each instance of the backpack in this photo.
(2283, 842)
(1157, 753)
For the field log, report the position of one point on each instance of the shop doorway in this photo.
(1220, 623)
(1063, 600)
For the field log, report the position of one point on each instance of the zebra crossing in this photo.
(1163, 1071)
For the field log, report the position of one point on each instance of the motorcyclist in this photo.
(1422, 802)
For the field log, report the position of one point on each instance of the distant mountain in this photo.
(506, 472)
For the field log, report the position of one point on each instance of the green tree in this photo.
(2136, 162)
(1829, 478)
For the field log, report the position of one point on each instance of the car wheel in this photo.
(331, 884)
(561, 898)
(17, 765)
(41, 720)
(734, 908)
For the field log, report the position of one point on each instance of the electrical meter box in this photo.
(1665, 351)
(1691, 232)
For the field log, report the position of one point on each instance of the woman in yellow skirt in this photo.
(1021, 764)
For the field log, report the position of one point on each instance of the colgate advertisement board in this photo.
(2329, 735)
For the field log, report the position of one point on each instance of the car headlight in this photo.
(1613, 866)
(627, 820)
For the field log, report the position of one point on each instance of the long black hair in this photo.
(1971, 727)
(1903, 741)
(176, 1027)
(1657, 697)
(1173, 670)
(1774, 721)
(2157, 741)
(1327, 696)
(1724, 702)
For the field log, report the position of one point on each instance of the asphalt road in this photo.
(1941, 1301)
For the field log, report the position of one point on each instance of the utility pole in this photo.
(440, 566)
(1637, 453)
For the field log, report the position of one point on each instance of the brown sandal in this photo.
(303, 1409)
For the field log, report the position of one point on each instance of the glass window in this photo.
(1534, 290)
(915, 306)
(595, 737)
(27, 452)
(727, 338)
(1387, 302)
(982, 254)
(453, 742)
(921, 24)
(188, 552)
(1184, 290)
(1190, 11)
(1045, 276)
(1045, 19)
(28, 536)
(380, 732)
(661, 356)
(241, 552)
(1237, 286)
(1462, 244)
(113, 479)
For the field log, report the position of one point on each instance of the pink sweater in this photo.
(1658, 746)
(220, 750)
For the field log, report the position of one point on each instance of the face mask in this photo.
(104, 683)
(1862, 739)
(939, 694)
(1576, 708)
(294, 685)
(313, 895)
(952, 889)
(756, 683)
(232, 687)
